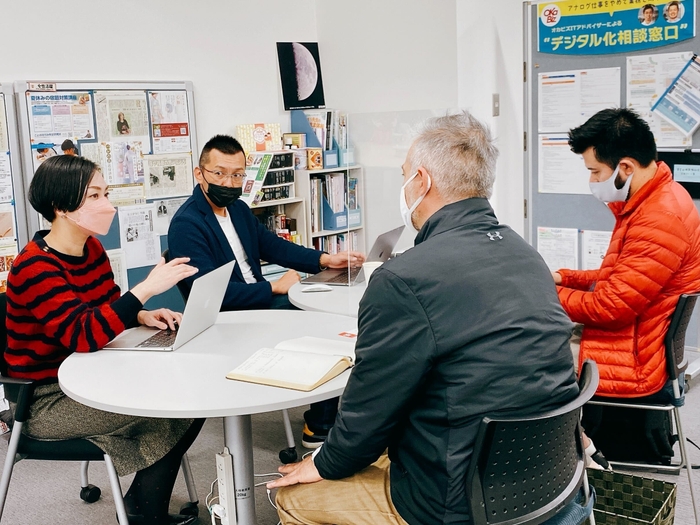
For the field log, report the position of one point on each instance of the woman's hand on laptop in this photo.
(161, 318)
(342, 260)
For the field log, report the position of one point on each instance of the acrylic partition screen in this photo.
(381, 141)
(142, 136)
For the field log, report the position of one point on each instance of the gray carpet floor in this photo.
(47, 492)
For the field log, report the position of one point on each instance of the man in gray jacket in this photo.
(465, 324)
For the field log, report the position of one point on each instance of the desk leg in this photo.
(238, 437)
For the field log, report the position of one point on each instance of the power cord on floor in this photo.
(269, 494)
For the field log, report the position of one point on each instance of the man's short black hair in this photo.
(60, 184)
(614, 134)
(223, 143)
(648, 6)
(677, 4)
(67, 144)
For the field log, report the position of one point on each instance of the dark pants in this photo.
(321, 416)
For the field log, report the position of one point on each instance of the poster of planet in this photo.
(300, 72)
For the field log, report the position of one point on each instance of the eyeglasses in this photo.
(220, 176)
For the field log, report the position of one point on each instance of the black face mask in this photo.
(223, 196)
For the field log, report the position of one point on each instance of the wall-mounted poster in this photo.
(300, 73)
(574, 27)
(169, 121)
(55, 116)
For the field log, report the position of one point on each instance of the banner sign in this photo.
(612, 26)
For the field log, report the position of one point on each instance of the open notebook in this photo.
(300, 364)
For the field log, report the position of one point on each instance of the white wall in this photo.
(386, 62)
(380, 58)
(227, 48)
(490, 55)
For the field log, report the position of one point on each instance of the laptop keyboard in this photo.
(343, 277)
(164, 338)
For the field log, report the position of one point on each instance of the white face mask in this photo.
(407, 212)
(606, 191)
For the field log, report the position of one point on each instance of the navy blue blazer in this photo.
(195, 233)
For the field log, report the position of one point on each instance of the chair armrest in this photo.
(19, 391)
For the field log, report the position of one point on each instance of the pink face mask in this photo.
(94, 217)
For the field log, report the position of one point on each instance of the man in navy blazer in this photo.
(213, 227)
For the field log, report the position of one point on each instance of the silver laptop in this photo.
(200, 313)
(381, 251)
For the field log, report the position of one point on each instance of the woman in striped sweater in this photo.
(62, 298)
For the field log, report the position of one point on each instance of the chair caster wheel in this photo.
(90, 494)
(190, 509)
(288, 455)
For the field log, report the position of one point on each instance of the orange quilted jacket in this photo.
(653, 257)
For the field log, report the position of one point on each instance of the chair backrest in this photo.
(184, 293)
(528, 468)
(674, 342)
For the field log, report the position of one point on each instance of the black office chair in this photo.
(21, 446)
(524, 470)
(676, 363)
(287, 455)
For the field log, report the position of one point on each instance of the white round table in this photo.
(342, 300)
(191, 381)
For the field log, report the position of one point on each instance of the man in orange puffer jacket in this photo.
(653, 257)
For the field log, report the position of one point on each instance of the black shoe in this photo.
(312, 439)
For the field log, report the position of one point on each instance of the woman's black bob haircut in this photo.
(60, 183)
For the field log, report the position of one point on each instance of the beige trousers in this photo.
(361, 499)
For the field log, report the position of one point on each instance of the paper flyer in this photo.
(169, 121)
(55, 116)
(6, 193)
(4, 144)
(8, 252)
(168, 175)
(139, 241)
(680, 103)
(594, 246)
(165, 209)
(126, 194)
(648, 77)
(123, 117)
(560, 169)
(558, 247)
(569, 98)
(117, 260)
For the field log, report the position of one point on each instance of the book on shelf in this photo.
(352, 193)
(302, 364)
(259, 137)
(328, 126)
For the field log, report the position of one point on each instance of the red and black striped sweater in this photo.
(58, 304)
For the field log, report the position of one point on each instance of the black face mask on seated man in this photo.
(223, 196)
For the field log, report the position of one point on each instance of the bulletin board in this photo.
(578, 221)
(13, 217)
(141, 134)
(546, 205)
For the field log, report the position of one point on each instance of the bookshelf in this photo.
(270, 191)
(348, 224)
